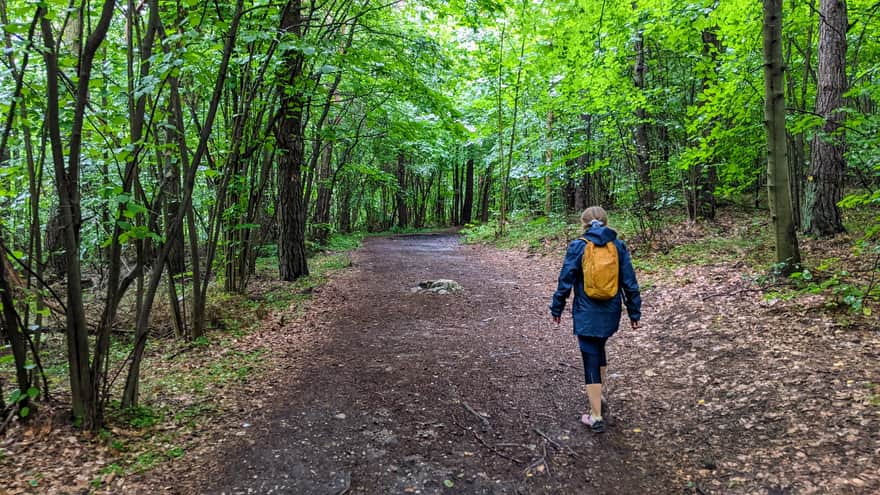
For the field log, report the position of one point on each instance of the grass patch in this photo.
(522, 232)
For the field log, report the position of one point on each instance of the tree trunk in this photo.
(505, 186)
(402, 209)
(827, 161)
(291, 203)
(344, 207)
(457, 192)
(787, 252)
(642, 155)
(548, 162)
(84, 401)
(321, 218)
(467, 205)
(132, 381)
(10, 322)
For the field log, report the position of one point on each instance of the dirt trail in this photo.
(406, 392)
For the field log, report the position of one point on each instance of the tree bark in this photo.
(11, 323)
(642, 155)
(291, 211)
(827, 162)
(321, 218)
(132, 382)
(84, 401)
(787, 252)
(548, 161)
(402, 208)
(467, 205)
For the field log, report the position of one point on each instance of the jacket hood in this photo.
(600, 235)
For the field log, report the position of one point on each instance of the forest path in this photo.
(383, 391)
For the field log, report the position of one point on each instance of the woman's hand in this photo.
(635, 324)
(556, 319)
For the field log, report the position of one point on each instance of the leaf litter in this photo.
(723, 390)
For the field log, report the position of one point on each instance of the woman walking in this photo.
(596, 308)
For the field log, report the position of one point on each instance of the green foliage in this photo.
(344, 242)
(141, 417)
(22, 399)
(840, 285)
(523, 231)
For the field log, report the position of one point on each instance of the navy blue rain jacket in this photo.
(593, 318)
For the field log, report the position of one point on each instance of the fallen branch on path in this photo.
(493, 449)
(346, 484)
(535, 466)
(486, 425)
(555, 443)
(483, 442)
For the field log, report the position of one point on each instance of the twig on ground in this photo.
(533, 466)
(346, 486)
(496, 451)
(555, 443)
(541, 461)
(503, 354)
(486, 425)
(12, 411)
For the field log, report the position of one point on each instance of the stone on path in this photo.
(441, 286)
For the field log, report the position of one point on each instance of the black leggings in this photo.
(593, 354)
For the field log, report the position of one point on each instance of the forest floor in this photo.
(376, 388)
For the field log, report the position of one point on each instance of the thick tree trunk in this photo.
(827, 161)
(291, 203)
(787, 252)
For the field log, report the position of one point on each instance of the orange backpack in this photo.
(601, 268)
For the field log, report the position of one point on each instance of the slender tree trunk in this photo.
(703, 177)
(11, 323)
(827, 162)
(132, 382)
(402, 208)
(787, 252)
(321, 218)
(642, 155)
(344, 207)
(457, 193)
(548, 162)
(486, 192)
(84, 400)
(505, 188)
(467, 205)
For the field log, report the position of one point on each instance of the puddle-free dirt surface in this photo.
(395, 391)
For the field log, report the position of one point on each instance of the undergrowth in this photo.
(183, 382)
